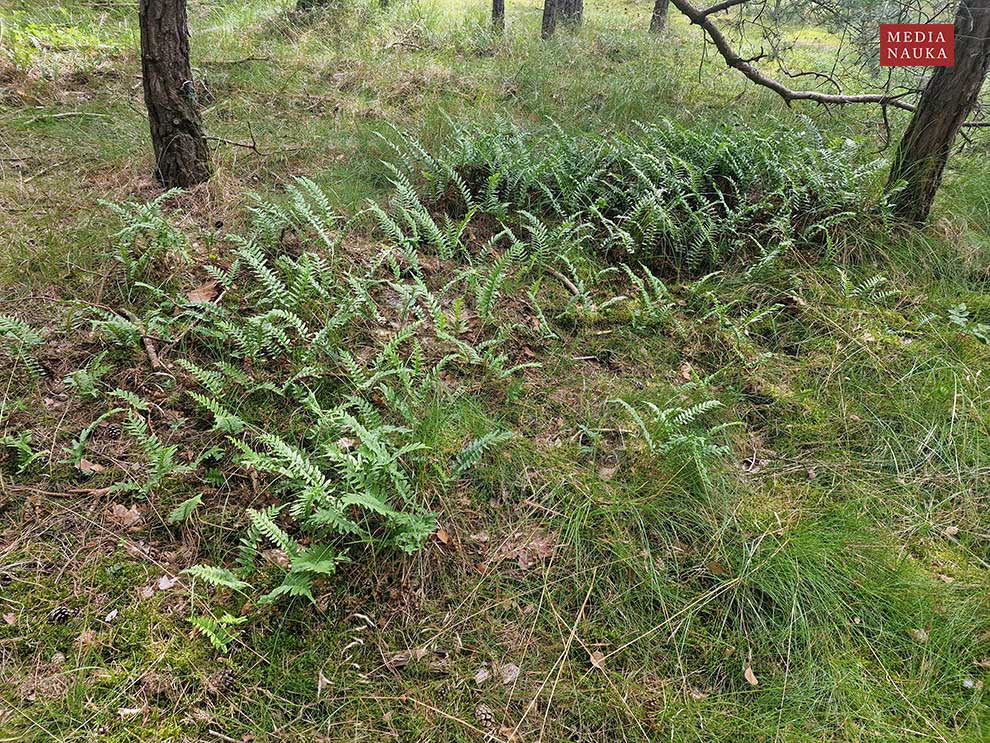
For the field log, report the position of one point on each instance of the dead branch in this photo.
(701, 18)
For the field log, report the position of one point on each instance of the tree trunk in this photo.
(498, 15)
(554, 11)
(659, 19)
(551, 9)
(946, 101)
(182, 157)
(572, 11)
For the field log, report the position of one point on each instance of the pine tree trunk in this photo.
(572, 11)
(498, 15)
(948, 98)
(551, 9)
(182, 157)
(659, 19)
(555, 11)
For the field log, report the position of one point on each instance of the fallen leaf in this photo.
(750, 677)
(403, 658)
(10, 619)
(87, 639)
(203, 293)
(443, 536)
(528, 549)
(598, 659)
(89, 468)
(985, 663)
(126, 518)
(607, 473)
(509, 673)
(482, 675)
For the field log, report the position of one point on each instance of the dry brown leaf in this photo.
(203, 293)
(529, 549)
(126, 518)
(442, 535)
(750, 677)
(89, 468)
(598, 659)
(607, 472)
(404, 657)
(86, 640)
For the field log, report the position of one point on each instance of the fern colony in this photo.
(318, 370)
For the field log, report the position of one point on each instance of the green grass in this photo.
(837, 547)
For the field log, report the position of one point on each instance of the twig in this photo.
(149, 346)
(67, 114)
(245, 60)
(566, 282)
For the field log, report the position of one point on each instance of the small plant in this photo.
(960, 317)
(655, 303)
(24, 455)
(19, 341)
(674, 431)
(148, 240)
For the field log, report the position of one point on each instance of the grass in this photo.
(607, 572)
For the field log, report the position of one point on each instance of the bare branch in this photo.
(725, 5)
(732, 58)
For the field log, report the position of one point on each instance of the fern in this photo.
(19, 340)
(475, 449)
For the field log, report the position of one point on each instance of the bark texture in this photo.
(551, 10)
(658, 21)
(556, 11)
(948, 98)
(498, 15)
(182, 157)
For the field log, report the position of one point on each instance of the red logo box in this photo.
(917, 45)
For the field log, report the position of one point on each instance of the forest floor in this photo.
(741, 497)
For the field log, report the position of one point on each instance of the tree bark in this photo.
(948, 98)
(498, 15)
(659, 19)
(551, 10)
(572, 11)
(555, 11)
(182, 157)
